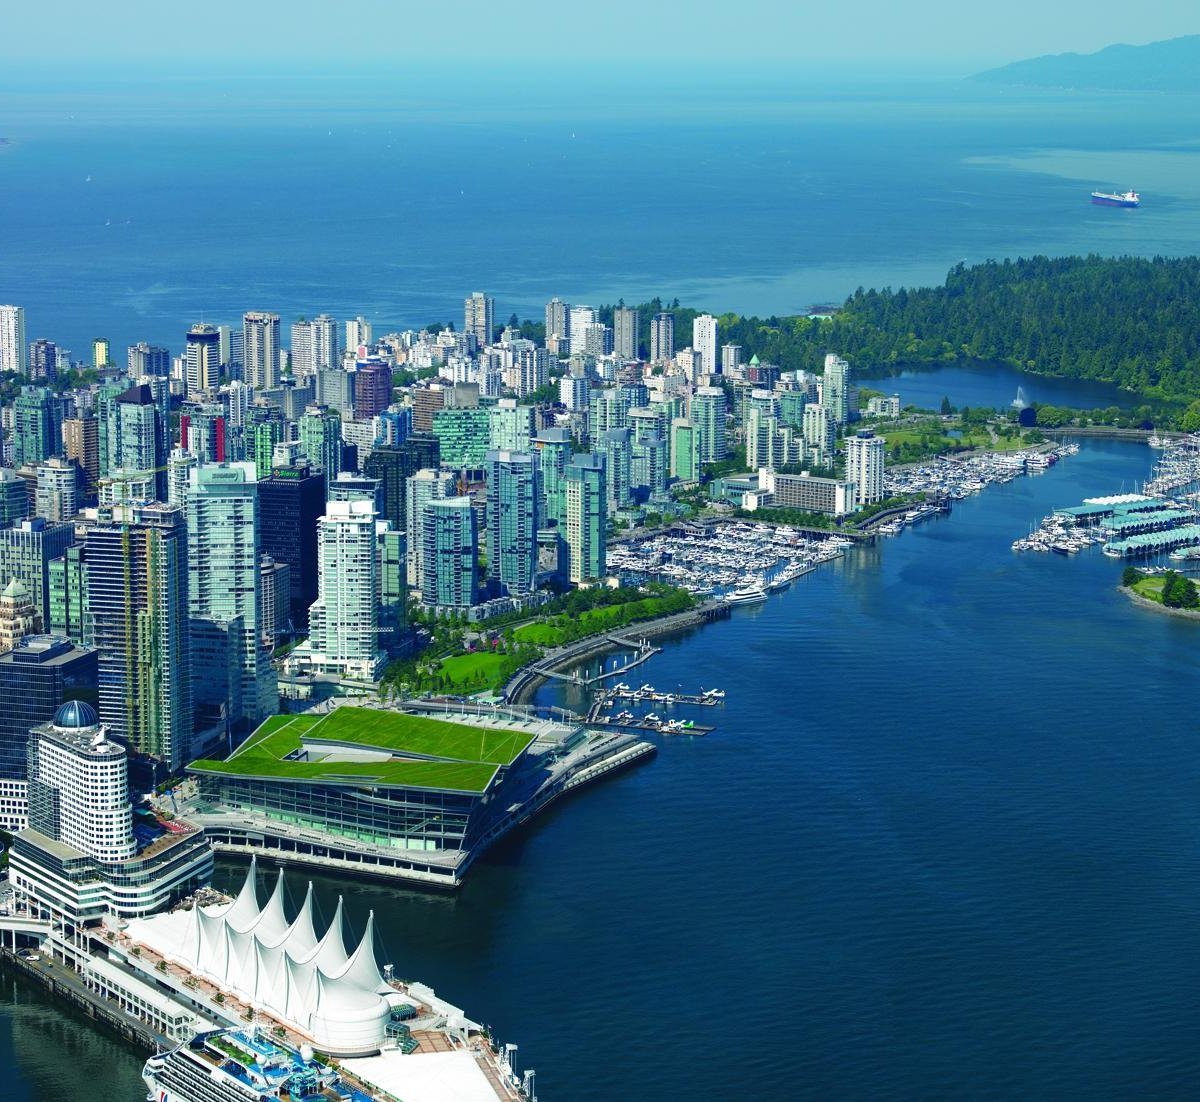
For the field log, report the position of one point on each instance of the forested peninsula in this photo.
(1129, 321)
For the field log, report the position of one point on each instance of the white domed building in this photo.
(81, 857)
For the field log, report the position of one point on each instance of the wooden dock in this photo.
(659, 726)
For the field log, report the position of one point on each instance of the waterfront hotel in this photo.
(85, 853)
(365, 790)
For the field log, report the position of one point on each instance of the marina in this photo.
(1132, 525)
(737, 561)
(955, 478)
(652, 721)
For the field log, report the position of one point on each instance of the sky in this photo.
(948, 34)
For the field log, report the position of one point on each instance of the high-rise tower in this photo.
(662, 337)
(225, 593)
(479, 317)
(202, 359)
(514, 482)
(12, 339)
(138, 599)
(260, 349)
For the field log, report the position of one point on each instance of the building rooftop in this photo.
(75, 715)
(368, 745)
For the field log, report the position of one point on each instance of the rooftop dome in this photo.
(75, 715)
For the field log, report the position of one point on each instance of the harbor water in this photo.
(942, 844)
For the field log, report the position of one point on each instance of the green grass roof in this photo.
(462, 757)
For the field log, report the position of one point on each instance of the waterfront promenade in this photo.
(524, 682)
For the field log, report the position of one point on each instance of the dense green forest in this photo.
(1127, 320)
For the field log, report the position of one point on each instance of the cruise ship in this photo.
(243, 1065)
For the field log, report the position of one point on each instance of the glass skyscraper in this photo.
(513, 510)
(450, 548)
(138, 598)
(586, 496)
(225, 592)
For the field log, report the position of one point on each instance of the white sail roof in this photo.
(362, 970)
(272, 925)
(214, 949)
(241, 973)
(330, 956)
(301, 937)
(300, 995)
(270, 986)
(244, 911)
(255, 955)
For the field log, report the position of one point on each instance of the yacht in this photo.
(746, 595)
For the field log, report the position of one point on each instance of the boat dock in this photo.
(659, 726)
(1154, 543)
(122, 1016)
(627, 721)
(705, 700)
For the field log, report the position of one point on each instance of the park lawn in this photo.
(1009, 444)
(1150, 587)
(912, 437)
(545, 634)
(472, 671)
(595, 621)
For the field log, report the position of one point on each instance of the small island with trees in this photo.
(1169, 591)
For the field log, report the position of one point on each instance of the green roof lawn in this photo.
(404, 733)
(474, 753)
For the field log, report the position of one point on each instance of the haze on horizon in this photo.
(940, 33)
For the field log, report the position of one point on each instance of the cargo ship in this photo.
(1112, 199)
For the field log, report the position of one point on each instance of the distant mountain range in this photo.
(1170, 66)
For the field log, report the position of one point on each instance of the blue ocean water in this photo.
(133, 209)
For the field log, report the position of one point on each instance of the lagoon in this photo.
(985, 385)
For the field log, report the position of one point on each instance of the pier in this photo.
(658, 726)
(67, 985)
(626, 721)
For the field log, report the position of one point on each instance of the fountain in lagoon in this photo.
(1020, 401)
